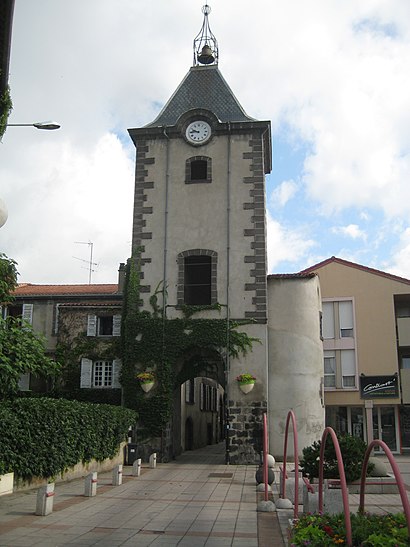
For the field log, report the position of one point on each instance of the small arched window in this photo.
(197, 277)
(198, 169)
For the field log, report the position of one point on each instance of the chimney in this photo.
(121, 277)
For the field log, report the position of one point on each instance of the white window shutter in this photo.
(28, 313)
(24, 382)
(116, 325)
(328, 326)
(348, 362)
(116, 369)
(92, 325)
(86, 372)
(346, 314)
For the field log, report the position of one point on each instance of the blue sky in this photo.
(332, 77)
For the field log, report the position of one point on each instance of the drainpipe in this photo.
(228, 251)
(164, 280)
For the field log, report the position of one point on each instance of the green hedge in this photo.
(42, 437)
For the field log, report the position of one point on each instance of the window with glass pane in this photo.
(102, 374)
(330, 369)
(197, 275)
(348, 362)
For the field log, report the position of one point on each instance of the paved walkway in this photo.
(196, 501)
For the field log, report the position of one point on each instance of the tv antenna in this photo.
(89, 262)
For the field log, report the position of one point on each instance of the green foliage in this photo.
(70, 350)
(367, 530)
(21, 350)
(153, 342)
(41, 437)
(6, 107)
(8, 278)
(353, 450)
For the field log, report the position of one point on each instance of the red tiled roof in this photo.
(91, 304)
(357, 266)
(29, 289)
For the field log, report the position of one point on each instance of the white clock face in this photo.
(198, 132)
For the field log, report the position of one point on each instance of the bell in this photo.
(206, 57)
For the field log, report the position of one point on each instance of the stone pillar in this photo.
(45, 499)
(90, 485)
(117, 475)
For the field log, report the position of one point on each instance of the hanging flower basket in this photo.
(246, 382)
(146, 380)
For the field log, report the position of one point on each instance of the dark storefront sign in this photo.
(376, 387)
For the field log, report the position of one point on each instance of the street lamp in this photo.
(39, 125)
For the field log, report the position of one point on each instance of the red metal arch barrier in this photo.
(291, 416)
(345, 492)
(397, 475)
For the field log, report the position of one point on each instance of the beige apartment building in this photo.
(366, 343)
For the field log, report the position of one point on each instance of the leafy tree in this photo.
(8, 278)
(21, 349)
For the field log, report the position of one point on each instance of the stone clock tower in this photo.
(199, 219)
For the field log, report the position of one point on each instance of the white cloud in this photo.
(400, 264)
(352, 230)
(285, 245)
(283, 193)
(335, 73)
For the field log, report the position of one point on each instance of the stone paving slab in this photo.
(192, 502)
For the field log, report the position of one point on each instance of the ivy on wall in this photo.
(73, 344)
(150, 341)
(5, 108)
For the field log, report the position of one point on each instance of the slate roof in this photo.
(203, 87)
(298, 275)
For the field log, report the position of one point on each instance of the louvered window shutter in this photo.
(24, 382)
(28, 313)
(86, 372)
(92, 325)
(116, 325)
(116, 369)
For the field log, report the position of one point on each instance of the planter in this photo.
(246, 388)
(6, 484)
(147, 386)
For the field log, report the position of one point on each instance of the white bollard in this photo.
(90, 485)
(136, 468)
(117, 475)
(45, 498)
(153, 460)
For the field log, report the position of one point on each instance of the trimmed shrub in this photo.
(353, 450)
(41, 437)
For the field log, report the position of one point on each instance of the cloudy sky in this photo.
(332, 76)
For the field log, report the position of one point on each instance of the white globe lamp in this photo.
(3, 213)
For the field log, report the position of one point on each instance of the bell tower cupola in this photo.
(205, 44)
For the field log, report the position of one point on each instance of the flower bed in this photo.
(367, 530)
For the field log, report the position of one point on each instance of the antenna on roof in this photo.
(89, 262)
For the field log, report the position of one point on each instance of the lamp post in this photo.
(38, 125)
(49, 126)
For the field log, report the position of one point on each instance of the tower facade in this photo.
(199, 223)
